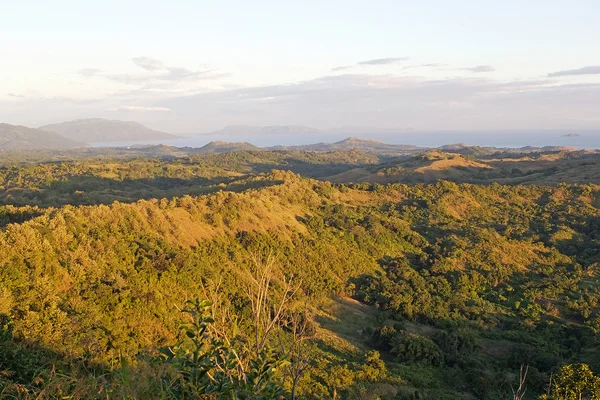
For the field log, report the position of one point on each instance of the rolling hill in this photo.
(355, 143)
(426, 167)
(226, 147)
(539, 168)
(452, 284)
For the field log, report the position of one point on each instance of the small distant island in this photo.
(572, 135)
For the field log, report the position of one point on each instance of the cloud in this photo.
(383, 61)
(480, 68)
(591, 70)
(367, 63)
(142, 108)
(89, 72)
(471, 102)
(156, 75)
(342, 68)
(149, 64)
(429, 65)
(390, 100)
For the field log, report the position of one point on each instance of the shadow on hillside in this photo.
(92, 190)
(34, 366)
(14, 215)
(581, 243)
(305, 168)
(346, 321)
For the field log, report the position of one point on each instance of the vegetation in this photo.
(313, 289)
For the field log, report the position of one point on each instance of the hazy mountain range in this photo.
(16, 137)
(80, 133)
(75, 134)
(97, 130)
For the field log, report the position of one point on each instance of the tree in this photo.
(574, 382)
(203, 365)
(268, 305)
(519, 392)
(294, 343)
(272, 312)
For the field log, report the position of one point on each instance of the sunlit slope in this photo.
(98, 279)
(511, 169)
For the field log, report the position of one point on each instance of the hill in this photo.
(425, 167)
(16, 137)
(225, 147)
(354, 143)
(479, 151)
(539, 168)
(103, 130)
(89, 177)
(101, 176)
(454, 286)
(387, 149)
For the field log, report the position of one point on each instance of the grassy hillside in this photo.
(94, 180)
(510, 169)
(460, 284)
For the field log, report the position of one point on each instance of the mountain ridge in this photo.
(18, 137)
(100, 130)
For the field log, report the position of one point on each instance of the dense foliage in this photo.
(464, 283)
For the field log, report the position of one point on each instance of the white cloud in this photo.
(592, 70)
(383, 61)
(374, 62)
(481, 68)
(148, 63)
(388, 100)
(142, 108)
(156, 74)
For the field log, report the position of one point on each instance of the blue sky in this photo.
(194, 66)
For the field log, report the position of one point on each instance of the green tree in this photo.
(574, 382)
(204, 365)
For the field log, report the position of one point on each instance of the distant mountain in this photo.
(572, 135)
(16, 137)
(371, 145)
(354, 143)
(454, 146)
(226, 147)
(547, 149)
(103, 130)
(238, 130)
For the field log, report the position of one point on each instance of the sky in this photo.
(197, 66)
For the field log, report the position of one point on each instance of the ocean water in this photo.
(586, 139)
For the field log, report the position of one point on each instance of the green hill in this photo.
(459, 284)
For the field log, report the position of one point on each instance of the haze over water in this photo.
(587, 139)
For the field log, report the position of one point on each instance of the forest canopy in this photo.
(441, 290)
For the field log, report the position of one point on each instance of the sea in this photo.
(578, 139)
